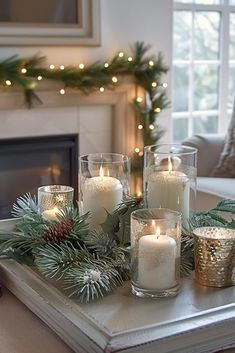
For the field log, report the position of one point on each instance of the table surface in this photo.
(22, 332)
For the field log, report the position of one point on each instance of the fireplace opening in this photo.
(27, 163)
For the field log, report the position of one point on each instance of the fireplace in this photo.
(27, 163)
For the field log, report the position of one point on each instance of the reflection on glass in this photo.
(43, 11)
(181, 88)
(231, 2)
(206, 87)
(205, 124)
(206, 39)
(185, 1)
(180, 129)
(232, 37)
(182, 34)
(208, 2)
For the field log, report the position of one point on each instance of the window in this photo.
(203, 66)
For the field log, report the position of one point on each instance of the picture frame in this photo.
(86, 32)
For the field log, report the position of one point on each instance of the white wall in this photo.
(123, 22)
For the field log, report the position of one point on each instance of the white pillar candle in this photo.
(169, 189)
(51, 215)
(157, 261)
(101, 194)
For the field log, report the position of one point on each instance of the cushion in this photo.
(221, 187)
(226, 165)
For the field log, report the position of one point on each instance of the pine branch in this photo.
(25, 205)
(226, 206)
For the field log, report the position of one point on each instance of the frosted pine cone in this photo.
(59, 231)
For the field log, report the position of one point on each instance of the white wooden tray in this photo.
(198, 320)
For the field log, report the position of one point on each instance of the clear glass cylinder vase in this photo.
(170, 173)
(53, 198)
(155, 252)
(104, 181)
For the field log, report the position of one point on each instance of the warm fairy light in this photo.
(121, 54)
(139, 99)
(157, 110)
(141, 153)
(154, 84)
(158, 231)
(62, 91)
(39, 78)
(169, 164)
(106, 65)
(101, 171)
(52, 67)
(164, 85)
(81, 66)
(23, 71)
(140, 126)
(151, 63)
(8, 82)
(139, 193)
(151, 127)
(130, 58)
(114, 79)
(101, 89)
(137, 150)
(61, 67)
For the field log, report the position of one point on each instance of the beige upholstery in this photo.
(211, 190)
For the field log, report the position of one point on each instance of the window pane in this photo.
(205, 124)
(185, 1)
(180, 129)
(206, 87)
(206, 41)
(182, 34)
(208, 2)
(180, 88)
(232, 36)
(232, 2)
(231, 86)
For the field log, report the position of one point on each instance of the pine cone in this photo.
(59, 232)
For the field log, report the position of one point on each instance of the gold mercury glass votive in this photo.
(52, 198)
(214, 252)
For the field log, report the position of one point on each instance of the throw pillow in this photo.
(226, 165)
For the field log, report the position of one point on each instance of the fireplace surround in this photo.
(29, 162)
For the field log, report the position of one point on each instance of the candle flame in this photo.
(101, 171)
(158, 231)
(108, 172)
(169, 164)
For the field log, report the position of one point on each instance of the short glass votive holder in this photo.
(155, 252)
(104, 181)
(170, 178)
(52, 198)
(214, 253)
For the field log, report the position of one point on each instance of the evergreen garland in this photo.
(145, 70)
(90, 264)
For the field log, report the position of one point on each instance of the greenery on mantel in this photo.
(89, 264)
(146, 71)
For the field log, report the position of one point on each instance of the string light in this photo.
(129, 58)
(106, 65)
(151, 63)
(81, 66)
(8, 82)
(24, 70)
(101, 89)
(39, 78)
(121, 54)
(154, 84)
(139, 99)
(157, 110)
(164, 85)
(140, 126)
(151, 127)
(114, 79)
(137, 150)
(141, 153)
(61, 67)
(62, 91)
(52, 67)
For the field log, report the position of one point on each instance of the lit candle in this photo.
(51, 215)
(101, 194)
(169, 189)
(157, 261)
